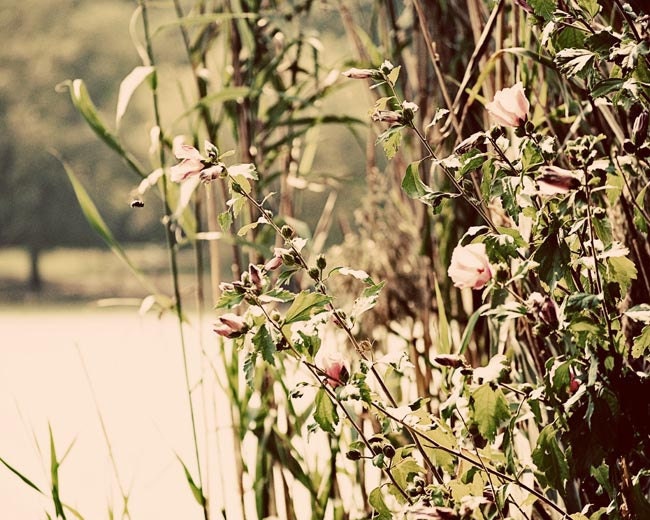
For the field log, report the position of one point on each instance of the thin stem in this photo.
(173, 261)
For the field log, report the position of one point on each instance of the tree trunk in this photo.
(35, 279)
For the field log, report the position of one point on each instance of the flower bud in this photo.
(314, 273)
(555, 180)
(355, 73)
(321, 263)
(287, 232)
(273, 263)
(388, 451)
(256, 276)
(574, 384)
(230, 326)
(450, 360)
(353, 455)
(387, 116)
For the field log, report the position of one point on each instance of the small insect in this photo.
(137, 203)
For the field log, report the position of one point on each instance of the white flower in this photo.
(470, 266)
(510, 106)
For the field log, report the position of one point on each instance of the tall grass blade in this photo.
(128, 86)
(85, 106)
(54, 476)
(20, 476)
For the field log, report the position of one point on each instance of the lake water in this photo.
(136, 369)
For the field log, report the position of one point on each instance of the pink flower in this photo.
(557, 181)
(192, 163)
(230, 326)
(470, 266)
(510, 106)
(273, 263)
(335, 367)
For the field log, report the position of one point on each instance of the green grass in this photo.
(83, 275)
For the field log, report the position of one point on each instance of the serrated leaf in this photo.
(249, 368)
(367, 300)
(582, 301)
(622, 270)
(543, 8)
(441, 436)
(641, 343)
(305, 306)
(228, 300)
(128, 86)
(639, 313)
(325, 413)
(591, 6)
(549, 459)
(573, 61)
(225, 220)
(489, 410)
(264, 344)
(403, 469)
(390, 141)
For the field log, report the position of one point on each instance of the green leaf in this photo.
(54, 476)
(325, 413)
(573, 61)
(591, 6)
(639, 313)
(639, 218)
(228, 300)
(308, 344)
(582, 301)
(393, 75)
(531, 156)
(641, 343)
(264, 344)
(622, 270)
(249, 368)
(96, 222)
(412, 184)
(376, 500)
(225, 220)
(84, 105)
(543, 8)
(305, 306)
(403, 469)
(128, 86)
(553, 256)
(20, 475)
(367, 300)
(197, 492)
(489, 410)
(441, 436)
(604, 87)
(550, 461)
(391, 140)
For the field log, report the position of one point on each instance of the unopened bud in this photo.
(314, 274)
(353, 455)
(355, 73)
(287, 232)
(387, 116)
(321, 263)
(450, 360)
(388, 451)
(273, 263)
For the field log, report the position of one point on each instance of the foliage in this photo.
(502, 378)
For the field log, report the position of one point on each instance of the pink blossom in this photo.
(470, 266)
(230, 325)
(557, 181)
(192, 163)
(273, 263)
(510, 106)
(335, 367)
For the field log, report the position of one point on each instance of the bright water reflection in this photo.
(135, 365)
